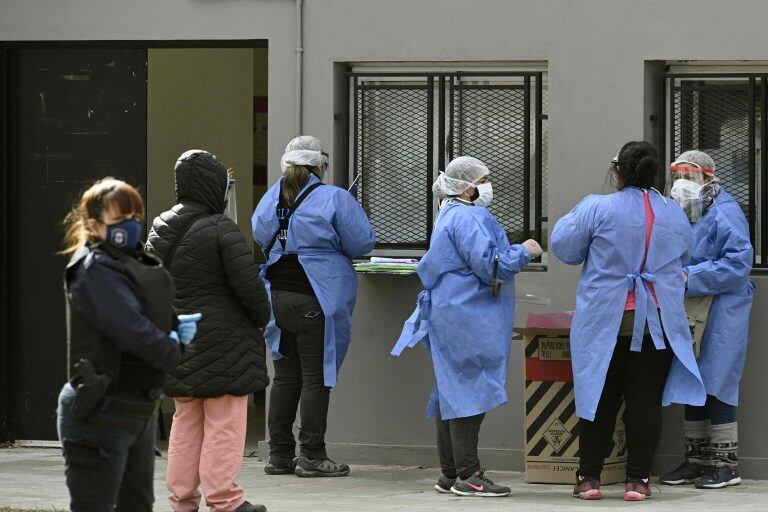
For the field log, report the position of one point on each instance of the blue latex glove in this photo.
(188, 327)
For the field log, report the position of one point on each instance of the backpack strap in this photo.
(282, 231)
(168, 259)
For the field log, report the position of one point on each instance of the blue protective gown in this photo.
(327, 230)
(467, 331)
(720, 265)
(607, 234)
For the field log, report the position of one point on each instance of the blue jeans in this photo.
(109, 459)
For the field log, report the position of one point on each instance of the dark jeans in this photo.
(298, 377)
(716, 411)
(457, 445)
(639, 377)
(109, 460)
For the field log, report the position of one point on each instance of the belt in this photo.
(140, 408)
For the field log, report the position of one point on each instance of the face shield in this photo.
(231, 198)
(690, 188)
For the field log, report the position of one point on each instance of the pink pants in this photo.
(206, 447)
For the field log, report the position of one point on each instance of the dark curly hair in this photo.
(638, 165)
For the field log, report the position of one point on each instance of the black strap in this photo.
(175, 245)
(284, 221)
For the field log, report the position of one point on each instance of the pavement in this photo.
(34, 478)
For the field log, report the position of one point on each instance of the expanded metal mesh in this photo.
(489, 124)
(392, 157)
(400, 125)
(715, 118)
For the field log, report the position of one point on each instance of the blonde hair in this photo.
(296, 178)
(101, 196)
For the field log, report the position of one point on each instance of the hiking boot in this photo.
(280, 465)
(637, 489)
(717, 477)
(587, 488)
(247, 507)
(479, 485)
(685, 473)
(444, 484)
(306, 467)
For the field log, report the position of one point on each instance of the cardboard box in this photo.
(551, 425)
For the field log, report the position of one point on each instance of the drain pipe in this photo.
(299, 66)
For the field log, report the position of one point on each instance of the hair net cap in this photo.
(302, 157)
(460, 174)
(697, 158)
(307, 142)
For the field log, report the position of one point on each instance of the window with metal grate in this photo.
(724, 115)
(405, 127)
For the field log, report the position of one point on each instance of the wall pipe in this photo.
(299, 66)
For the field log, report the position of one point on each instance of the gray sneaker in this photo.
(280, 466)
(479, 485)
(685, 473)
(444, 484)
(307, 468)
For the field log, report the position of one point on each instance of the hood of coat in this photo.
(202, 178)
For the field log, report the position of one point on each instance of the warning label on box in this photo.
(554, 349)
(557, 435)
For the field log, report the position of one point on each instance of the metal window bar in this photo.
(719, 113)
(488, 116)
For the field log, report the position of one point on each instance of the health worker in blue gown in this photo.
(719, 267)
(309, 232)
(630, 334)
(465, 317)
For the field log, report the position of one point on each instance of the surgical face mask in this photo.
(484, 195)
(124, 235)
(688, 195)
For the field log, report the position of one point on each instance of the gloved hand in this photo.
(533, 247)
(188, 327)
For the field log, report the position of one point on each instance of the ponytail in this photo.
(296, 178)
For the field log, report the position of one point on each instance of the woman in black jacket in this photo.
(122, 338)
(215, 274)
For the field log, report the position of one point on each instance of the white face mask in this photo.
(687, 194)
(485, 195)
(685, 190)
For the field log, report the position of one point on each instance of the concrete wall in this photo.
(596, 51)
(199, 98)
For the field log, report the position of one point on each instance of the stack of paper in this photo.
(388, 265)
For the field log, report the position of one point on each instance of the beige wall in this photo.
(200, 98)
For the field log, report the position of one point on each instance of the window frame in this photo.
(441, 84)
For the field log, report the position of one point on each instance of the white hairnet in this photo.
(460, 174)
(308, 143)
(302, 157)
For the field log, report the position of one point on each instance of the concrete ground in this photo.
(34, 478)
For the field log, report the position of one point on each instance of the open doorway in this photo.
(213, 99)
(78, 111)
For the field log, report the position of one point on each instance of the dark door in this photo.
(75, 115)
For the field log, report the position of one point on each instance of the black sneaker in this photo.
(444, 484)
(247, 507)
(718, 477)
(685, 473)
(280, 466)
(306, 467)
(479, 485)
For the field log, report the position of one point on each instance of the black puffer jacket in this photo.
(215, 274)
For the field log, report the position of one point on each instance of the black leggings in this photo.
(640, 378)
(298, 377)
(457, 445)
